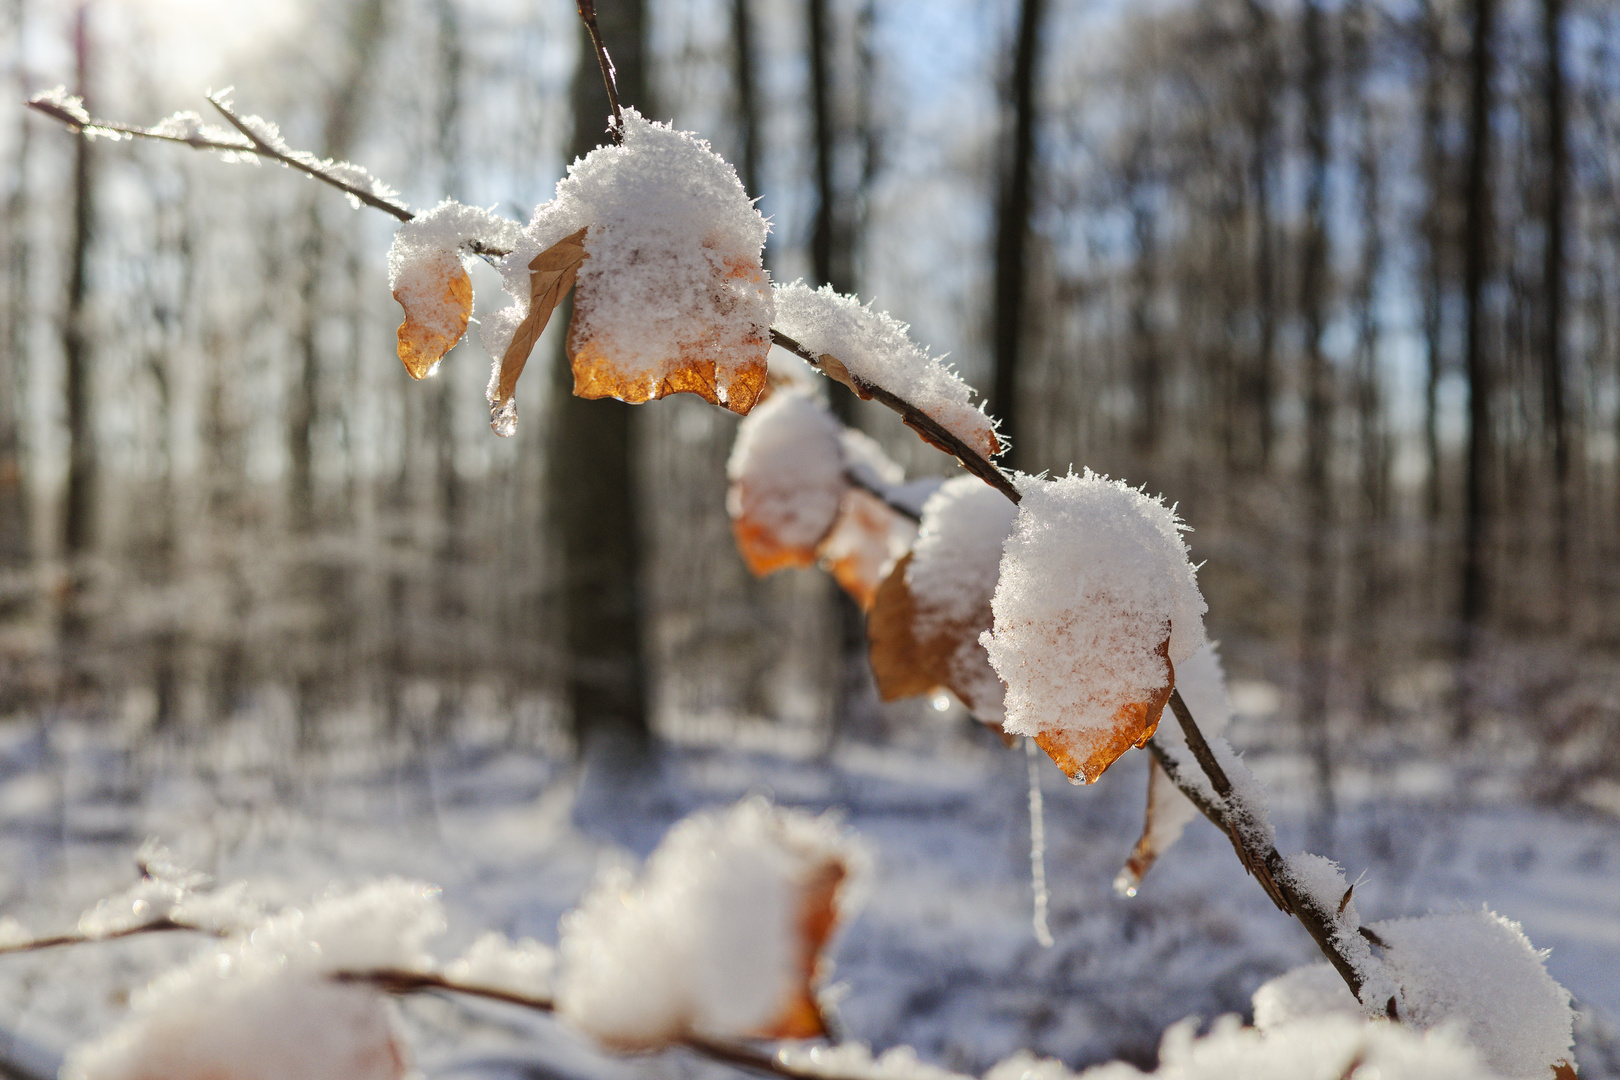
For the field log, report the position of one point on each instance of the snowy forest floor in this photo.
(941, 956)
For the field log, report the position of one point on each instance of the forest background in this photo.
(1341, 280)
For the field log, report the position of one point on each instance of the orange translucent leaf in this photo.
(436, 315)
(764, 550)
(864, 543)
(900, 664)
(729, 374)
(818, 918)
(551, 275)
(1086, 755)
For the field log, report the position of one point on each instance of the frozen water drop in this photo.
(503, 418)
(941, 702)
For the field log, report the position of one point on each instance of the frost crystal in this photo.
(877, 350)
(710, 938)
(1093, 579)
(259, 1006)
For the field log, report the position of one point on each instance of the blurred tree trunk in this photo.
(1476, 252)
(16, 548)
(1012, 227)
(1553, 276)
(590, 488)
(1319, 504)
(1431, 34)
(746, 94)
(832, 255)
(1262, 144)
(78, 515)
(1145, 358)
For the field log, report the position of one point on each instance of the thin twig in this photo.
(264, 148)
(395, 981)
(882, 493)
(587, 15)
(1233, 816)
(156, 926)
(914, 418)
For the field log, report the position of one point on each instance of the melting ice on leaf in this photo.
(1095, 604)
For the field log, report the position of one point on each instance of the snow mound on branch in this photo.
(855, 1061)
(673, 253)
(709, 938)
(1479, 969)
(1092, 580)
(260, 1006)
(952, 577)
(170, 891)
(522, 967)
(787, 480)
(877, 350)
(425, 247)
(1474, 975)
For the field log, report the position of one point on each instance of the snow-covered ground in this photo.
(942, 956)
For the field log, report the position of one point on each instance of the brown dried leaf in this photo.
(913, 656)
(900, 664)
(762, 548)
(1086, 755)
(436, 315)
(1168, 812)
(694, 367)
(864, 543)
(551, 275)
(1563, 1070)
(818, 918)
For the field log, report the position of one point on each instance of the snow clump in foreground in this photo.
(1473, 973)
(719, 935)
(1094, 578)
(261, 1006)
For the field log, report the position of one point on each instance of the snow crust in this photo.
(952, 576)
(673, 256)
(525, 967)
(787, 469)
(1093, 579)
(877, 350)
(356, 176)
(259, 1007)
(1320, 879)
(707, 938)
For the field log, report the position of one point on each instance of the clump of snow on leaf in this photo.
(260, 1007)
(523, 967)
(1093, 579)
(710, 938)
(430, 244)
(877, 351)
(672, 266)
(952, 577)
(787, 480)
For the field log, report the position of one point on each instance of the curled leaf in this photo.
(551, 275)
(438, 300)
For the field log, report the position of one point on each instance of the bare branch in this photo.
(1234, 817)
(156, 926)
(260, 146)
(587, 15)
